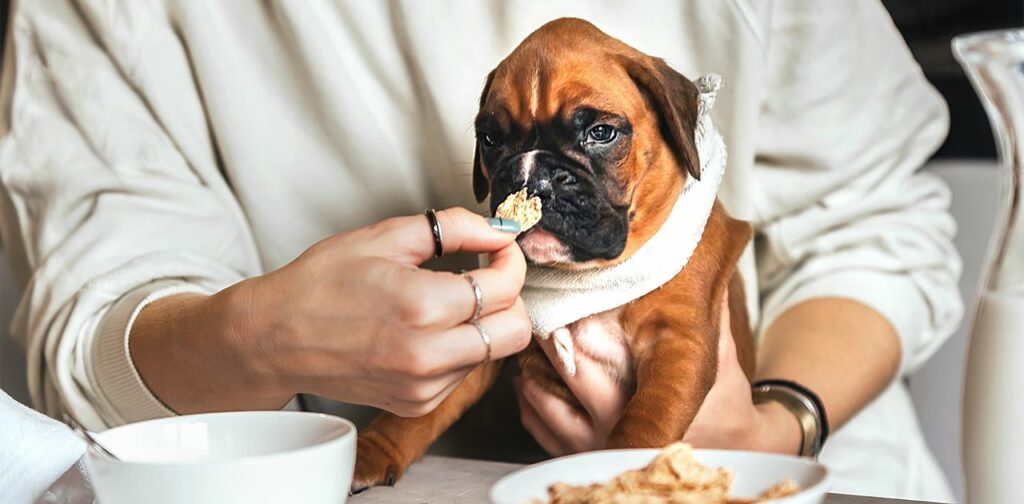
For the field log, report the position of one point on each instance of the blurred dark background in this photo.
(928, 26)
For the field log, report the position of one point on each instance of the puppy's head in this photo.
(601, 132)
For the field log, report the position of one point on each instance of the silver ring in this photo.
(478, 295)
(484, 336)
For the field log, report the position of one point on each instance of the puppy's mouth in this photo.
(579, 227)
(544, 248)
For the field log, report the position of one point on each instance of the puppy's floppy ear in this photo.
(675, 99)
(481, 186)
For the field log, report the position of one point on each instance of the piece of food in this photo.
(517, 207)
(673, 477)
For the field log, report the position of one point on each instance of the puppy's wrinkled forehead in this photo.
(562, 67)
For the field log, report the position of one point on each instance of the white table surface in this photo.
(462, 481)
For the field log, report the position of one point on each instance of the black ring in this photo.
(435, 227)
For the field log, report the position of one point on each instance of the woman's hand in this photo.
(354, 319)
(561, 428)
(727, 418)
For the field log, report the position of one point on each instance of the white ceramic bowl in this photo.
(245, 457)
(754, 473)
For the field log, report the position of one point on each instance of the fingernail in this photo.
(504, 225)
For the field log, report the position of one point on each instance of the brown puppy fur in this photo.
(672, 332)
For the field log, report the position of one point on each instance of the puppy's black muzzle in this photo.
(575, 205)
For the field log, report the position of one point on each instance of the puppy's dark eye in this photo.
(602, 133)
(488, 140)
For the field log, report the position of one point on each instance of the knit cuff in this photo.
(117, 378)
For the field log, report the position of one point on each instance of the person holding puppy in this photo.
(216, 206)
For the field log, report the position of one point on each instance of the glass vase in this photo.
(993, 409)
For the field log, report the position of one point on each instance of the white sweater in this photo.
(159, 146)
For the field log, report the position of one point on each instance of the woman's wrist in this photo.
(777, 429)
(249, 334)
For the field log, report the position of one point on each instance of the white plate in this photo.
(754, 473)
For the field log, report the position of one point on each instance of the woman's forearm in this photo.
(841, 349)
(194, 355)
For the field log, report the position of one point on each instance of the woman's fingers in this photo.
(410, 239)
(449, 299)
(453, 296)
(539, 429)
(570, 426)
(508, 330)
(422, 398)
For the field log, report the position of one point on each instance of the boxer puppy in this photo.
(605, 136)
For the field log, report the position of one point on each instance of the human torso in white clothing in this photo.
(321, 117)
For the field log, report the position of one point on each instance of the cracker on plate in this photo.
(674, 476)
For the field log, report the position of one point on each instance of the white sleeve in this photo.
(848, 120)
(110, 197)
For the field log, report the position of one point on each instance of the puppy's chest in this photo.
(601, 338)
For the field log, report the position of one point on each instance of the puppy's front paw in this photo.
(374, 466)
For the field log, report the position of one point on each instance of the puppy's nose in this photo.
(542, 188)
